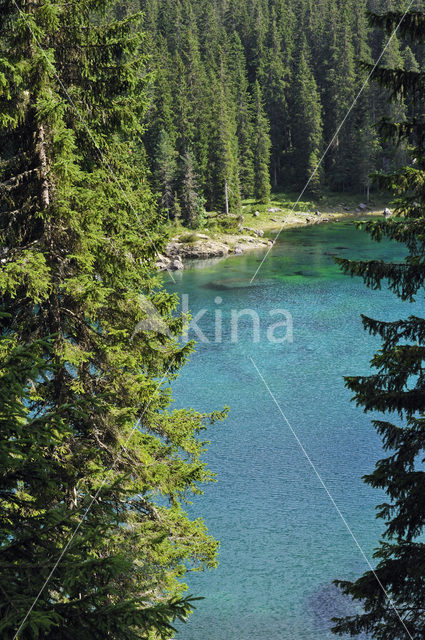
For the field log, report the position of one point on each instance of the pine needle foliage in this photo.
(392, 600)
(87, 433)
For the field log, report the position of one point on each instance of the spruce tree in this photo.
(392, 596)
(273, 75)
(244, 115)
(207, 56)
(261, 148)
(166, 168)
(88, 443)
(223, 164)
(306, 118)
(192, 203)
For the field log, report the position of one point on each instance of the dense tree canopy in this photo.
(87, 435)
(212, 58)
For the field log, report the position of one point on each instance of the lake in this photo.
(282, 539)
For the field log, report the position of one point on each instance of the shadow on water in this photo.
(230, 284)
(306, 274)
(328, 602)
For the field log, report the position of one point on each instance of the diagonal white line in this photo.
(91, 136)
(338, 510)
(88, 509)
(366, 82)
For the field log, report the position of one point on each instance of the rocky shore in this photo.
(205, 247)
(201, 246)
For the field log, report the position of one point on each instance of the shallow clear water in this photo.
(282, 540)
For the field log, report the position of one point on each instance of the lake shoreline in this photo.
(219, 246)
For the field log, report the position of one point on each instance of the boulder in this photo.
(163, 262)
(256, 214)
(317, 213)
(176, 265)
(363, 206)
(387, 212)
(274, 210)
(238, 250)
(257, 232)
(202, 249)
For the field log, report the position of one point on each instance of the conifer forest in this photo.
(212, 240)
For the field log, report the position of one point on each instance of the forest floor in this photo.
(283, 209)
(248, 229)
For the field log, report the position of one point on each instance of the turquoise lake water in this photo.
(282, 540)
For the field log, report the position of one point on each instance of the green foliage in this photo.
(49, 472)
(307, 123)
(262, 146)
(192, 202)
(208, 57)
(166, 162)
(391, 598)
(87, 433)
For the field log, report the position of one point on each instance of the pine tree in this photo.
(192, 203)
(87, 438)
(306, 129)
(207, 56)
(176, 210)
(262, 147)
(273, 75)
(409, 61)
(40, 509)
(244, 115)
(223, 158)
(166, 166)
(392, 597)
(339, 94)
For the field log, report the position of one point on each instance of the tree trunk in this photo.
(41, 150)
